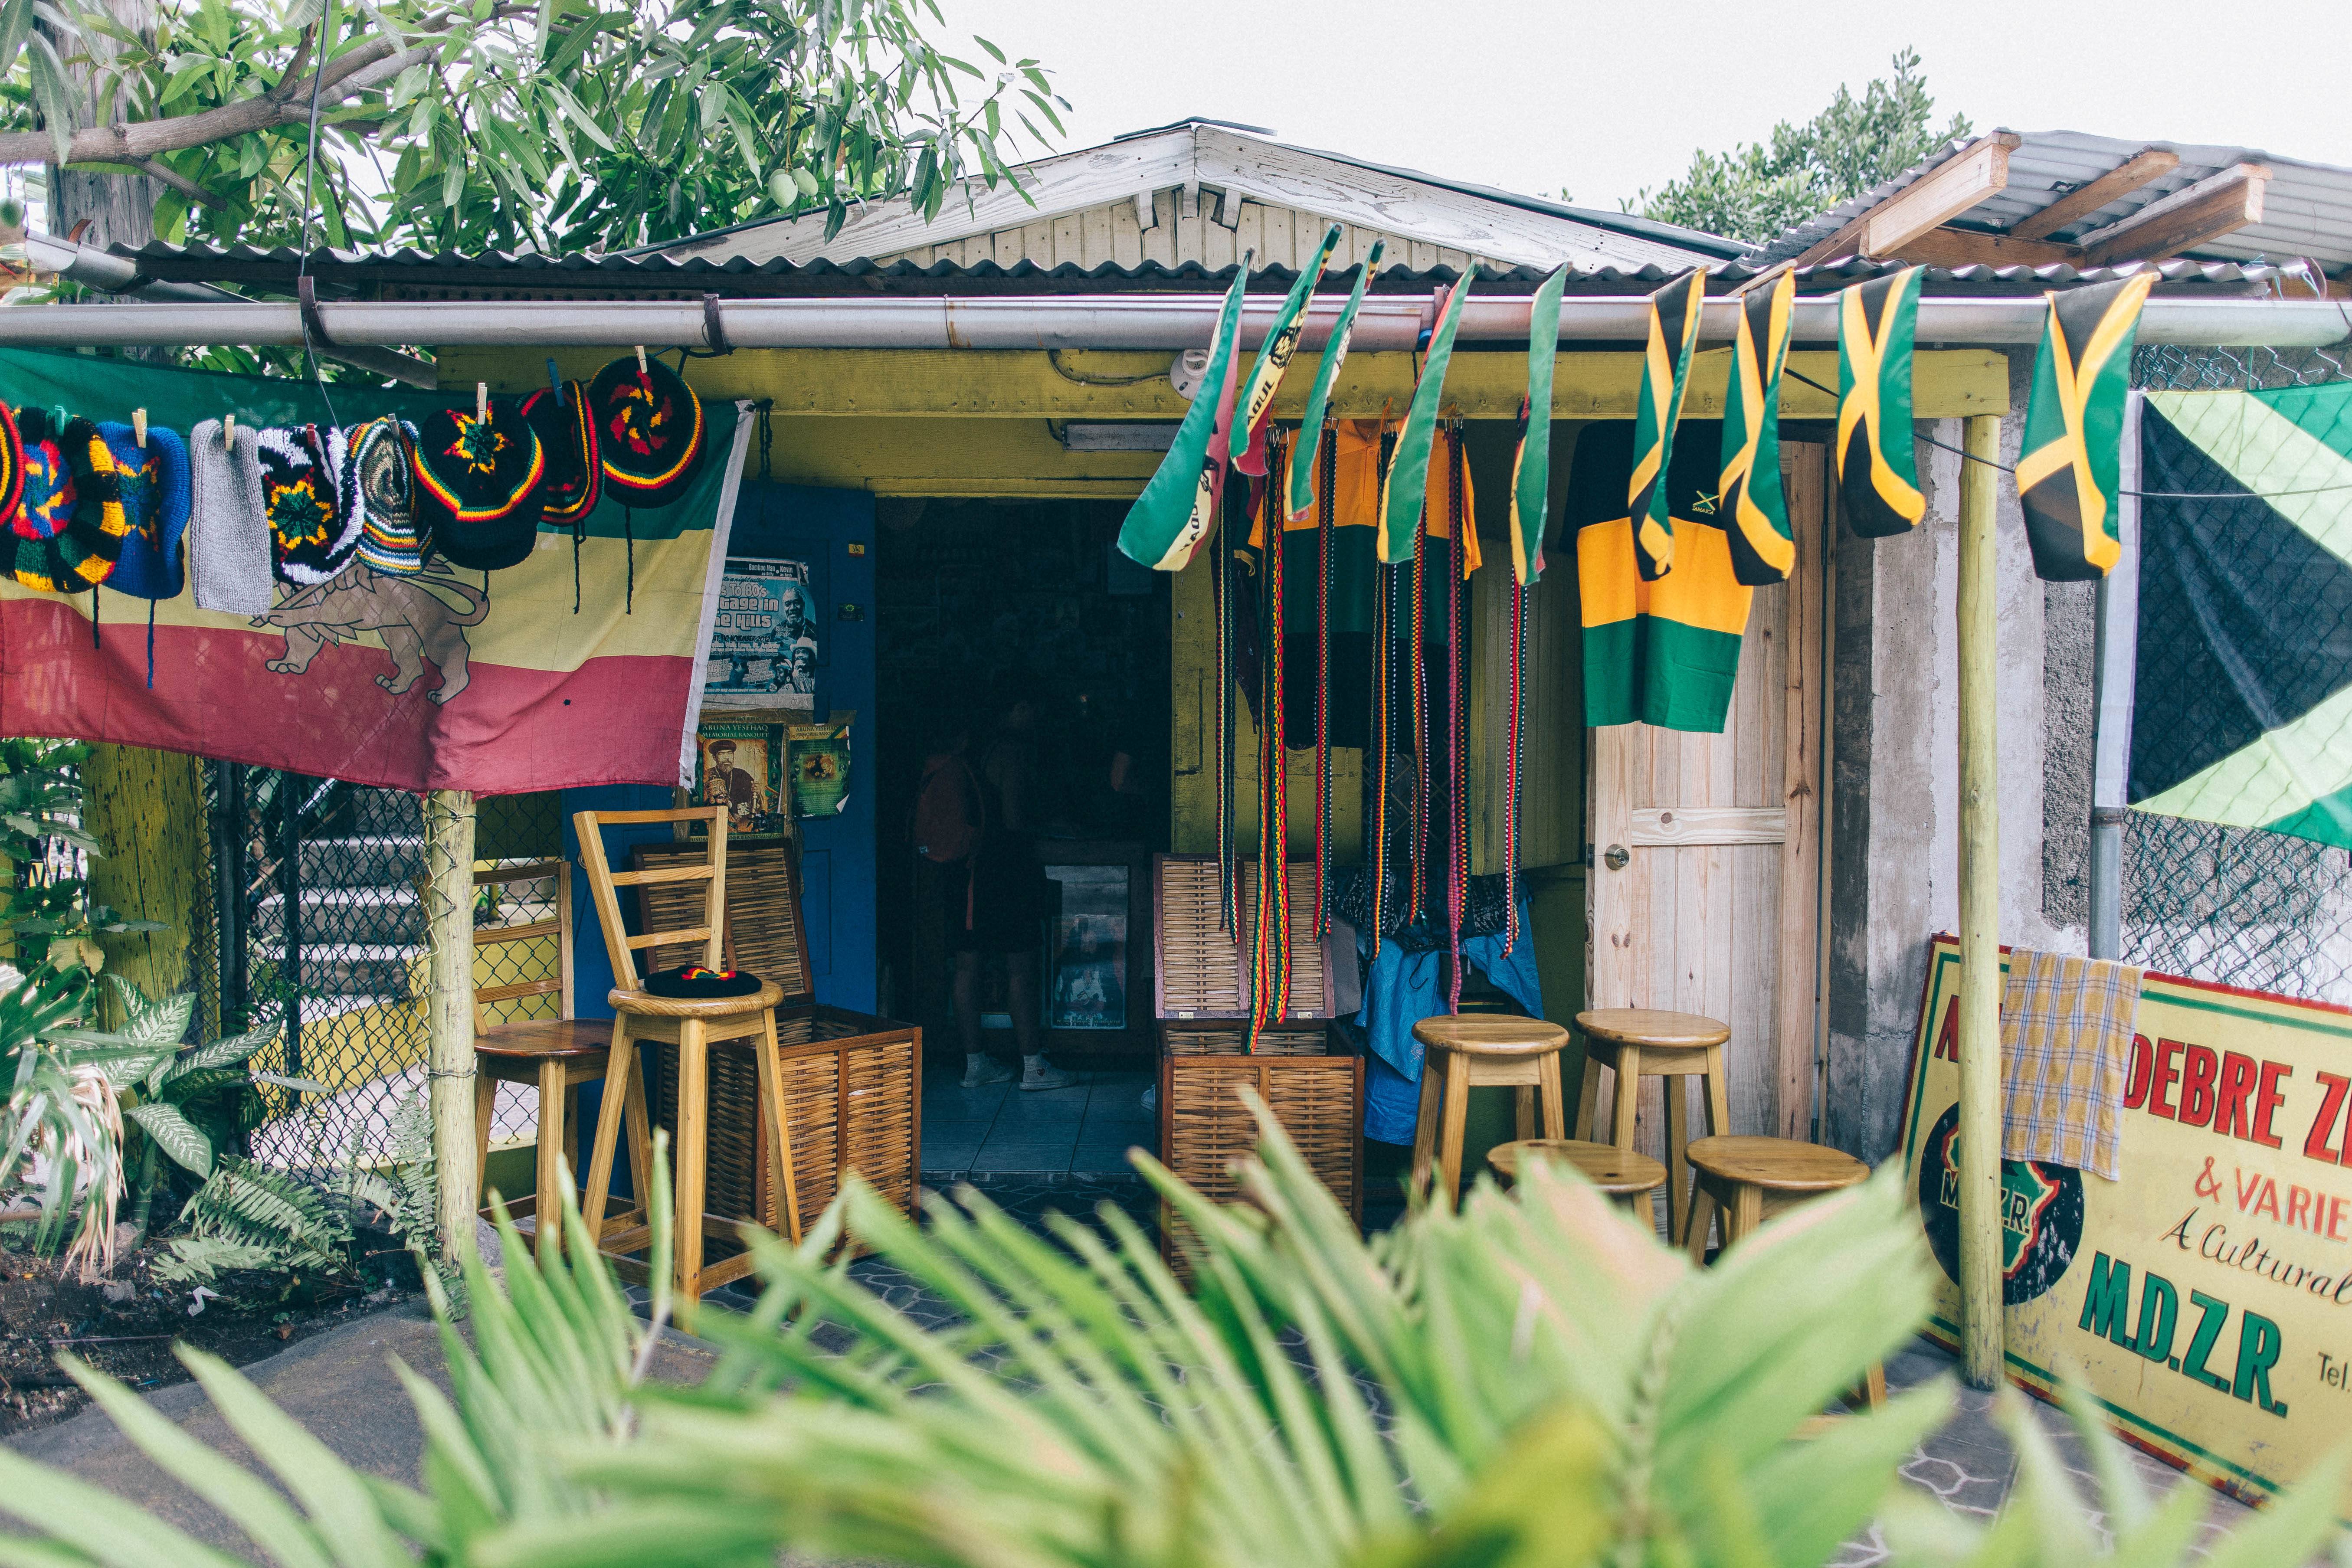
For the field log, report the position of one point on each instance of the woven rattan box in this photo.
(853, 1082)
(1314, 1086)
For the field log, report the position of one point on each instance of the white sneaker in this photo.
(1040, 1074)
(980, 1069)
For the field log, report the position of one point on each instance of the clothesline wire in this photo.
(2010, 468)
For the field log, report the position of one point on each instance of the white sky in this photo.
(1606, 98)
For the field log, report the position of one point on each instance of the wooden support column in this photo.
(449, 1011)
(1979, 1032)
(147, 808)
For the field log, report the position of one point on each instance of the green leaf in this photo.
(174, 1135)
(49, 90)
(15, 21)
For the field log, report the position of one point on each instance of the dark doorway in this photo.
(979, 602)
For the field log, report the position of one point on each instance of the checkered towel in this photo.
(2065, 1044)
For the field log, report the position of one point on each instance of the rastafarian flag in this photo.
(1265, 378)
(1300, 500)
(1878, 477)
(1755, 513)
(1665, 379)
(2070, 462)
(1531, 463)
(1165, 526)
(1408, 476)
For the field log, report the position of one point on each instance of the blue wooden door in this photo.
(832, 531)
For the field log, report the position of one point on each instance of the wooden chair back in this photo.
(559, 926)
(605, 885)
(764, 934)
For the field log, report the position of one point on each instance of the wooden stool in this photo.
(554, 1055)
(690, 1025)
(1753, 1179)
(1625, 1174)
(1638, 1042)
(1478, 1051)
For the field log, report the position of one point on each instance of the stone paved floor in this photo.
(999, 1131)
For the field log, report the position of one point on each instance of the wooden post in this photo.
(148, 809)
(449, 1011)
(1980, 999)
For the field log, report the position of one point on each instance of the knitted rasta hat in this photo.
(155, 500)
(648, 431)
(310, 538)
(378, 486)
(576, 475)
(695, 983)
(67, 533)
(229, 529)
(477, 481)
(12, 465)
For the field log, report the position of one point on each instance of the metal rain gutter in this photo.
(1058, 322)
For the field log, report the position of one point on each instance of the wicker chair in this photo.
(689, 1027)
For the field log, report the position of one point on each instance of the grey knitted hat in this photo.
(228, 531)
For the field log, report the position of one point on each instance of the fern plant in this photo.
(248, 1216)
(1532, 1379)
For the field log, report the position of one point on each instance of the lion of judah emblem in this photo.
(418, 625)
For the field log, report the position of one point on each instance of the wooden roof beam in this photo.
(2147, 164)
(1978, 171)
(2184, 220)
(1969, 247)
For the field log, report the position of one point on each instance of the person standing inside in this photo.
(997, 901)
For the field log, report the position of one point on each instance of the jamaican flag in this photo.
(1755, 513)
(1665, 379)
(2242, 684)
(2070, 463)
(1302, 478)
(1531, 463)
(1408, 475)
(1254, 410)
(1171, 517)
(1878, 478)
(1662, 652)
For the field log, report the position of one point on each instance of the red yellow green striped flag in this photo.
(1878, 474)
(1531, 463)
(1666, 380)
(1265, 378)
(1754, 511)
(1301, 498)
(1408, 477)
(2069, 466)
(1165, 526)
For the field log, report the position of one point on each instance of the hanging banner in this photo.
(1303, 472)
(1167, 521)
(1878, 472)
(2206, 1297)
(1675, 313)
(2070, 462)
(439, 679)
(1531, 459)
(1253, 407)
(1405, 488)
(1755, 512)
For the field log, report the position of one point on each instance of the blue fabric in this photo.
(155, 503)
(1401, 991)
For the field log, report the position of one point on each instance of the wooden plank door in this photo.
(1706, 884)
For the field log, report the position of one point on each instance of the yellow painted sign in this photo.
(2206, 1297)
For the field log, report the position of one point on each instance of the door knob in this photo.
(1615, 856)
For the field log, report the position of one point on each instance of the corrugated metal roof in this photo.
(2307, 207)
(344, 269)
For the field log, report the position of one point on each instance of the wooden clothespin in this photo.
(228, 438)
(139, 427)
(481, 400)
(641, 359)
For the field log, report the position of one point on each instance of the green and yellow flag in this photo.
(1665, 379)
(1408, 476)
(1265, 378)
(1878, 477)
(1531, 464)
(1755, 513)
(1165, 526)
(2069, 464)
(1301, 499)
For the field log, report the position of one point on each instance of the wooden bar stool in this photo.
(1469, 1051)
(1754, 1179)
(1638, 1042)
(690, 1025)
(1625, 1174)
(554, 1056)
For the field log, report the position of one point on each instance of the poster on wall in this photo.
(740, 768)
(819, 761)
(2205, 1297)
(765, 640)
(1086, 962)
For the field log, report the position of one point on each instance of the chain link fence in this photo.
(315, 926)
(2236, 905)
